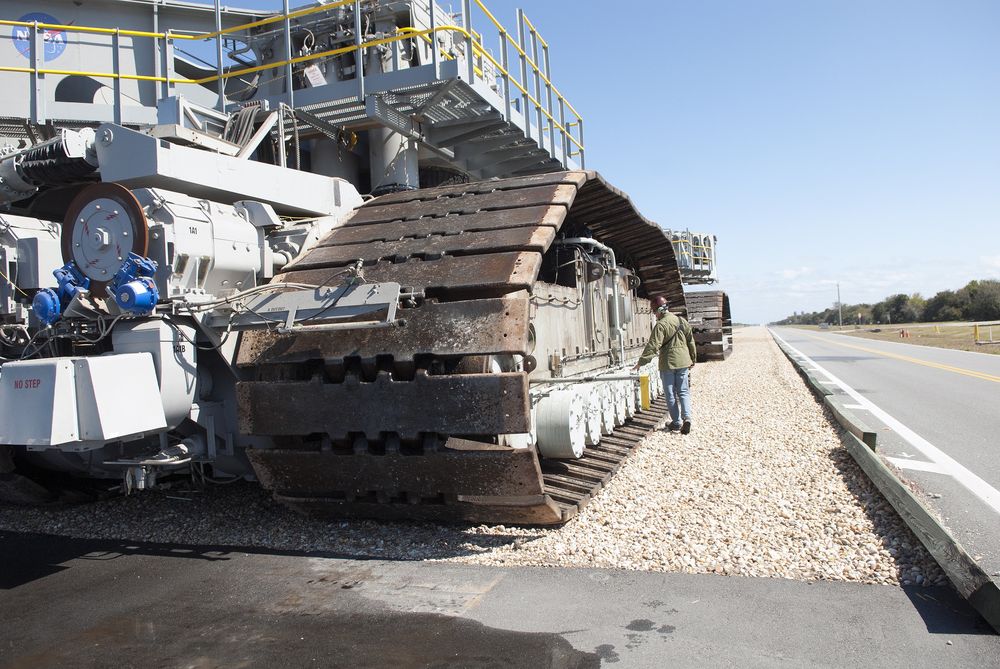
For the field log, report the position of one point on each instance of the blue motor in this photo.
(48, 304)
(133, 287)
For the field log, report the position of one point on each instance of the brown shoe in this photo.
(686, 426)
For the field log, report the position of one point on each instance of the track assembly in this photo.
(392, 423)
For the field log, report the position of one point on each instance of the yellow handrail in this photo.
(531, 26)
(176, 35)
(414, 32)
(276, 19)
(534, 65)
(404, 33)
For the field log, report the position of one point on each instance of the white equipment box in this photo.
(78, 404)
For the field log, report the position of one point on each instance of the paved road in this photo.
(938, 415)
(84, 603)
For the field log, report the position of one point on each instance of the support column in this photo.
(392, 156)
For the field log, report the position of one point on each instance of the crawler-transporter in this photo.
(357, 258)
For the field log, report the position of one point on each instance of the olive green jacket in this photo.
(676, 352)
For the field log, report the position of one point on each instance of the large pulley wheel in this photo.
(103, 224)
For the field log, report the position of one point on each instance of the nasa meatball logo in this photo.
(54, 40)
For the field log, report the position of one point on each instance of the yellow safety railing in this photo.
(423, 34)
(474, 38)
(506, 36)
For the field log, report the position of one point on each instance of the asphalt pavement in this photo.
(937, 412)
(91, 603)
(86, 603)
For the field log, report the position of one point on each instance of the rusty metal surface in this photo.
(459, 482)
(446, 329)
(449, 277)
(450, 472)
(454, 404)
(453, 224)
(489, 186)
(533, 238)
(476, 250)
(712, 323)
(376, 212)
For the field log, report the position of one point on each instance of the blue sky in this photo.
(820, 140)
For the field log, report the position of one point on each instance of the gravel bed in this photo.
(761, 487)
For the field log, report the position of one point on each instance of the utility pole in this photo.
(840, 309)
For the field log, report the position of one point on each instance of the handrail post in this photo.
(434, 43)
(506, 73)
(289, 71)
(37, 78)
(548, 93)
(157, 85)
(538, 88)
(470, 57)
(583, 158)
(282, 138)
(359, 58)
(167, 64)
(218, 54)
(563, 132)
(116, 70)
(522, 54)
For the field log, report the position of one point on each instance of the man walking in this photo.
(673, 340)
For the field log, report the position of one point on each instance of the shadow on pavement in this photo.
(26, 557)
(102, 624)
(945, 612)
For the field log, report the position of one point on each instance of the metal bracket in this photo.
(346, 307)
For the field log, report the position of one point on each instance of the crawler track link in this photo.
(712, 323)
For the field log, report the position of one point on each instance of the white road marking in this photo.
(916, 465)
(945, 463)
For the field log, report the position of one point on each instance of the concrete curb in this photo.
(974, 584)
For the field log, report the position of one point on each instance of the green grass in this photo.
(941, 335)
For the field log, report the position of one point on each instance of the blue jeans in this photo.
(675, 383)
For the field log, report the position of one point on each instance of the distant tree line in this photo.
(977, 301)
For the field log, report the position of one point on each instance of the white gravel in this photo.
(761, 487)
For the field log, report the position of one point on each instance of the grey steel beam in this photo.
(485, 144)
(496, 157)
(95, 113)
(477, 130)
(441, 93)
(339, 92)
(449, 133)
(328, 129)
(511, 166)
(258, 137)
(137, 160)
(379, 110)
